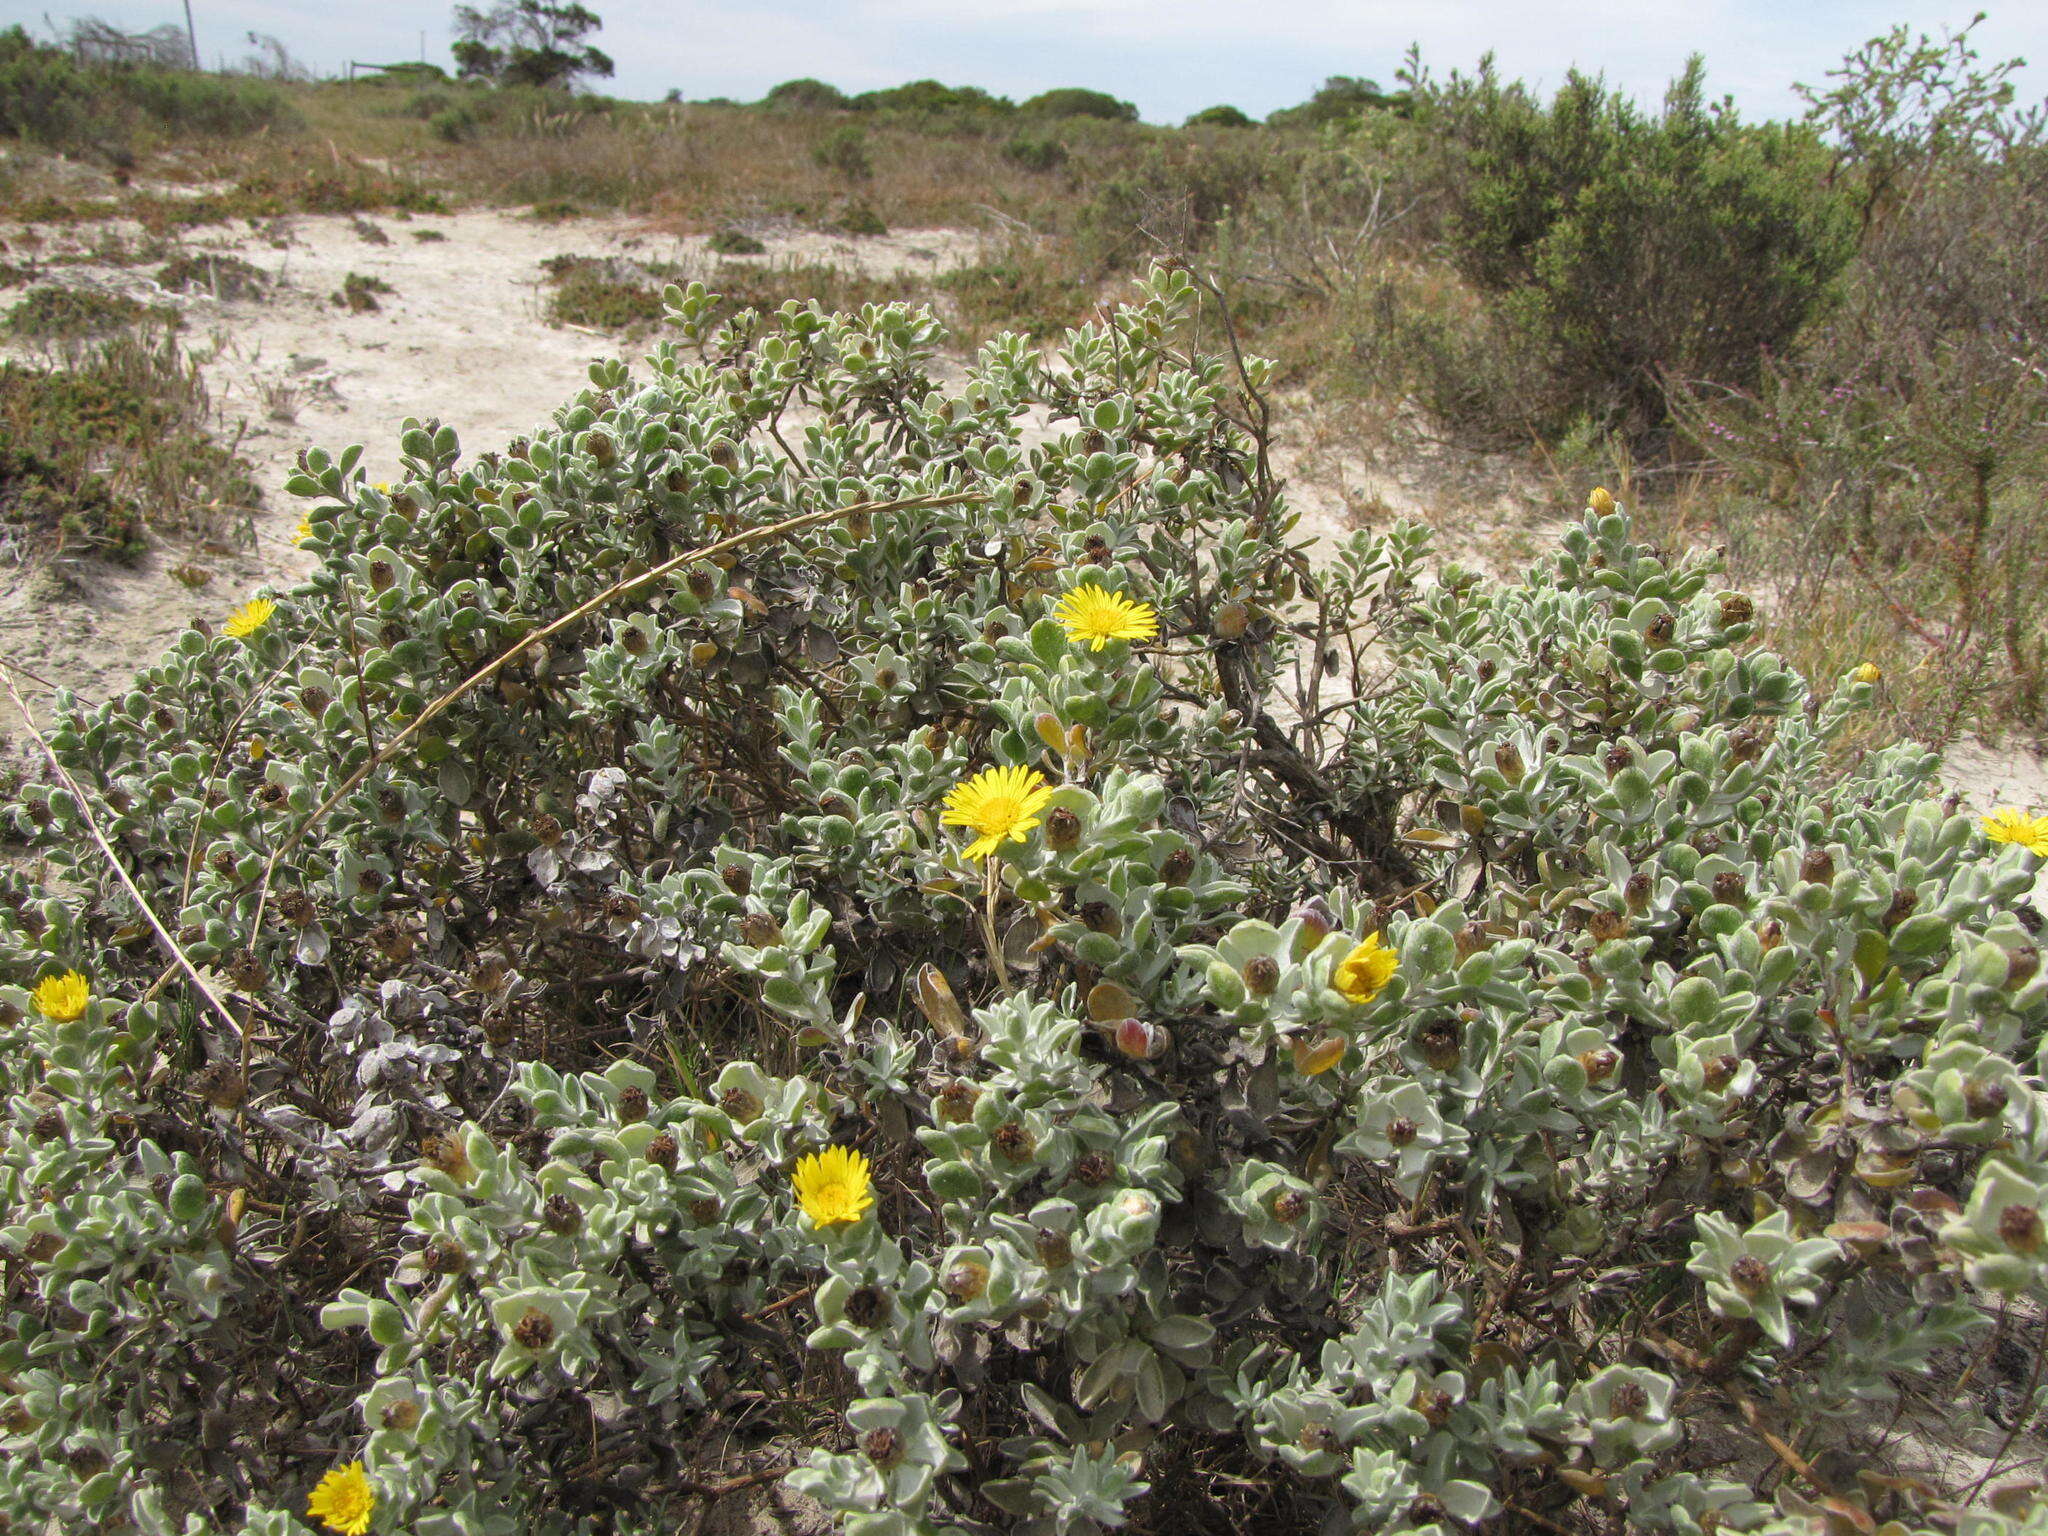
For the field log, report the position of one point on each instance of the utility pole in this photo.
(191, 36)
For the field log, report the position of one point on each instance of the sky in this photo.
(1171, 57)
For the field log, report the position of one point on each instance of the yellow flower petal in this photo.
(1364, 973)
(343, 1500)
(833, 1186)
(60, 999)
(1002, 804)
(2011, 825)
(1093, 617)
(250, 617)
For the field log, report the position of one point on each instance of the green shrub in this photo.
(1621, 249)
(53, 312)
(1339, 99)
(860, 219)
(1035, 154)
(1074, 101)
(48, 98)
(1220, 117)
(603, 293)
(929, 98)
(805, 96)
(844, 152)
(359, 291)
(215, 273)
(735, 242)
(115, 440)
(1401, 1116)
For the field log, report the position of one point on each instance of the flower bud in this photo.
(1014, 1142)
(1439, 1045)
(1750, 1274)
(1231, 621)
(741, 1105)
(1094, 1169)
(1051, 732)
(956, 1102)
(1261, 975)
(965, 1281)
(1101, 917)
(1628, 1401)
(1606, 927)
(1717, 1072)
(1509, 761)
(1177, 867)
(1601, 502)
(2019, 1228)
(561, 1215)
(1316, 919)
(662, 1152)
(1818, 867)
(1984, 1100)
(401, 1414)
(535, 1330)
(1660, 630)
(1470, 939)
(1736, 609)
(1289, 1206)
(1055, 1249)
(1062, 829)
(444, 1256)
(1730, 888)
(758, 930)
(882, 1446)
(1598, 1064)
(1867, 673)
(2021, 966)
(1401, 1131)
(632, 1105)
(866, 1306)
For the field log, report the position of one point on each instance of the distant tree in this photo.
(931, 96)
(1074, 101)
(805, 96)
(1340, 97)
(528, 42)
(1219, 117)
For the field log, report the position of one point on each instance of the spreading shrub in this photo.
(1077, 101)
(1619, 249)
(983, 971)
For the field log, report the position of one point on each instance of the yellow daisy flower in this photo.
(2009, 825)
(303, 532)
(1002, 804)
(250, 617)
(1365, 972)
(63, 998)
(343, 1500)
(1869, 672)
(833, 1186)
(1093, 617)
(382, 487)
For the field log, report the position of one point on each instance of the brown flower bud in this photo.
(1177, 867)
(561, 1215)
(1984, 1100)
(547, 829)
(1440, 1046)
(1717, 1072)
(759, 930)
(1261, 975)
(1470, 939)
(1599, 1064)
(1289, 1206)
(1617, 758)
(444, 1256)
(534, 1331)
(1094, 1169)
(1661, 629)
(1014, 1142)
(1736, 609)
(1509, 761)
(1628, 1401)
(1231, 621)
(741, 1105)
(1730, 888)
(1101, 917)
(2019, 1228)
(314, 700)
(400, 1414)
(632, 1105)
(382, 576)
(1902, 905)
(866, 1306)
(1606, 927)
(1402, 1131)
(1055, 1249)
(2022, 965)
(738, 879)
(1750, 1274)
(221, 1084)
(703, 1210)
(662, 1152)
(965, 1281)
(956, 1101)
(883, 1446)
(1062, 829)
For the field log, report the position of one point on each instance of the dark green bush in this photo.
(1036, 154)
(805, 96)
(57, 313)
(931, 98)
(1075, 101)
(1224, 116)
(844, 151)
(1621, 249)
(735, 242)
(1339, 99)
